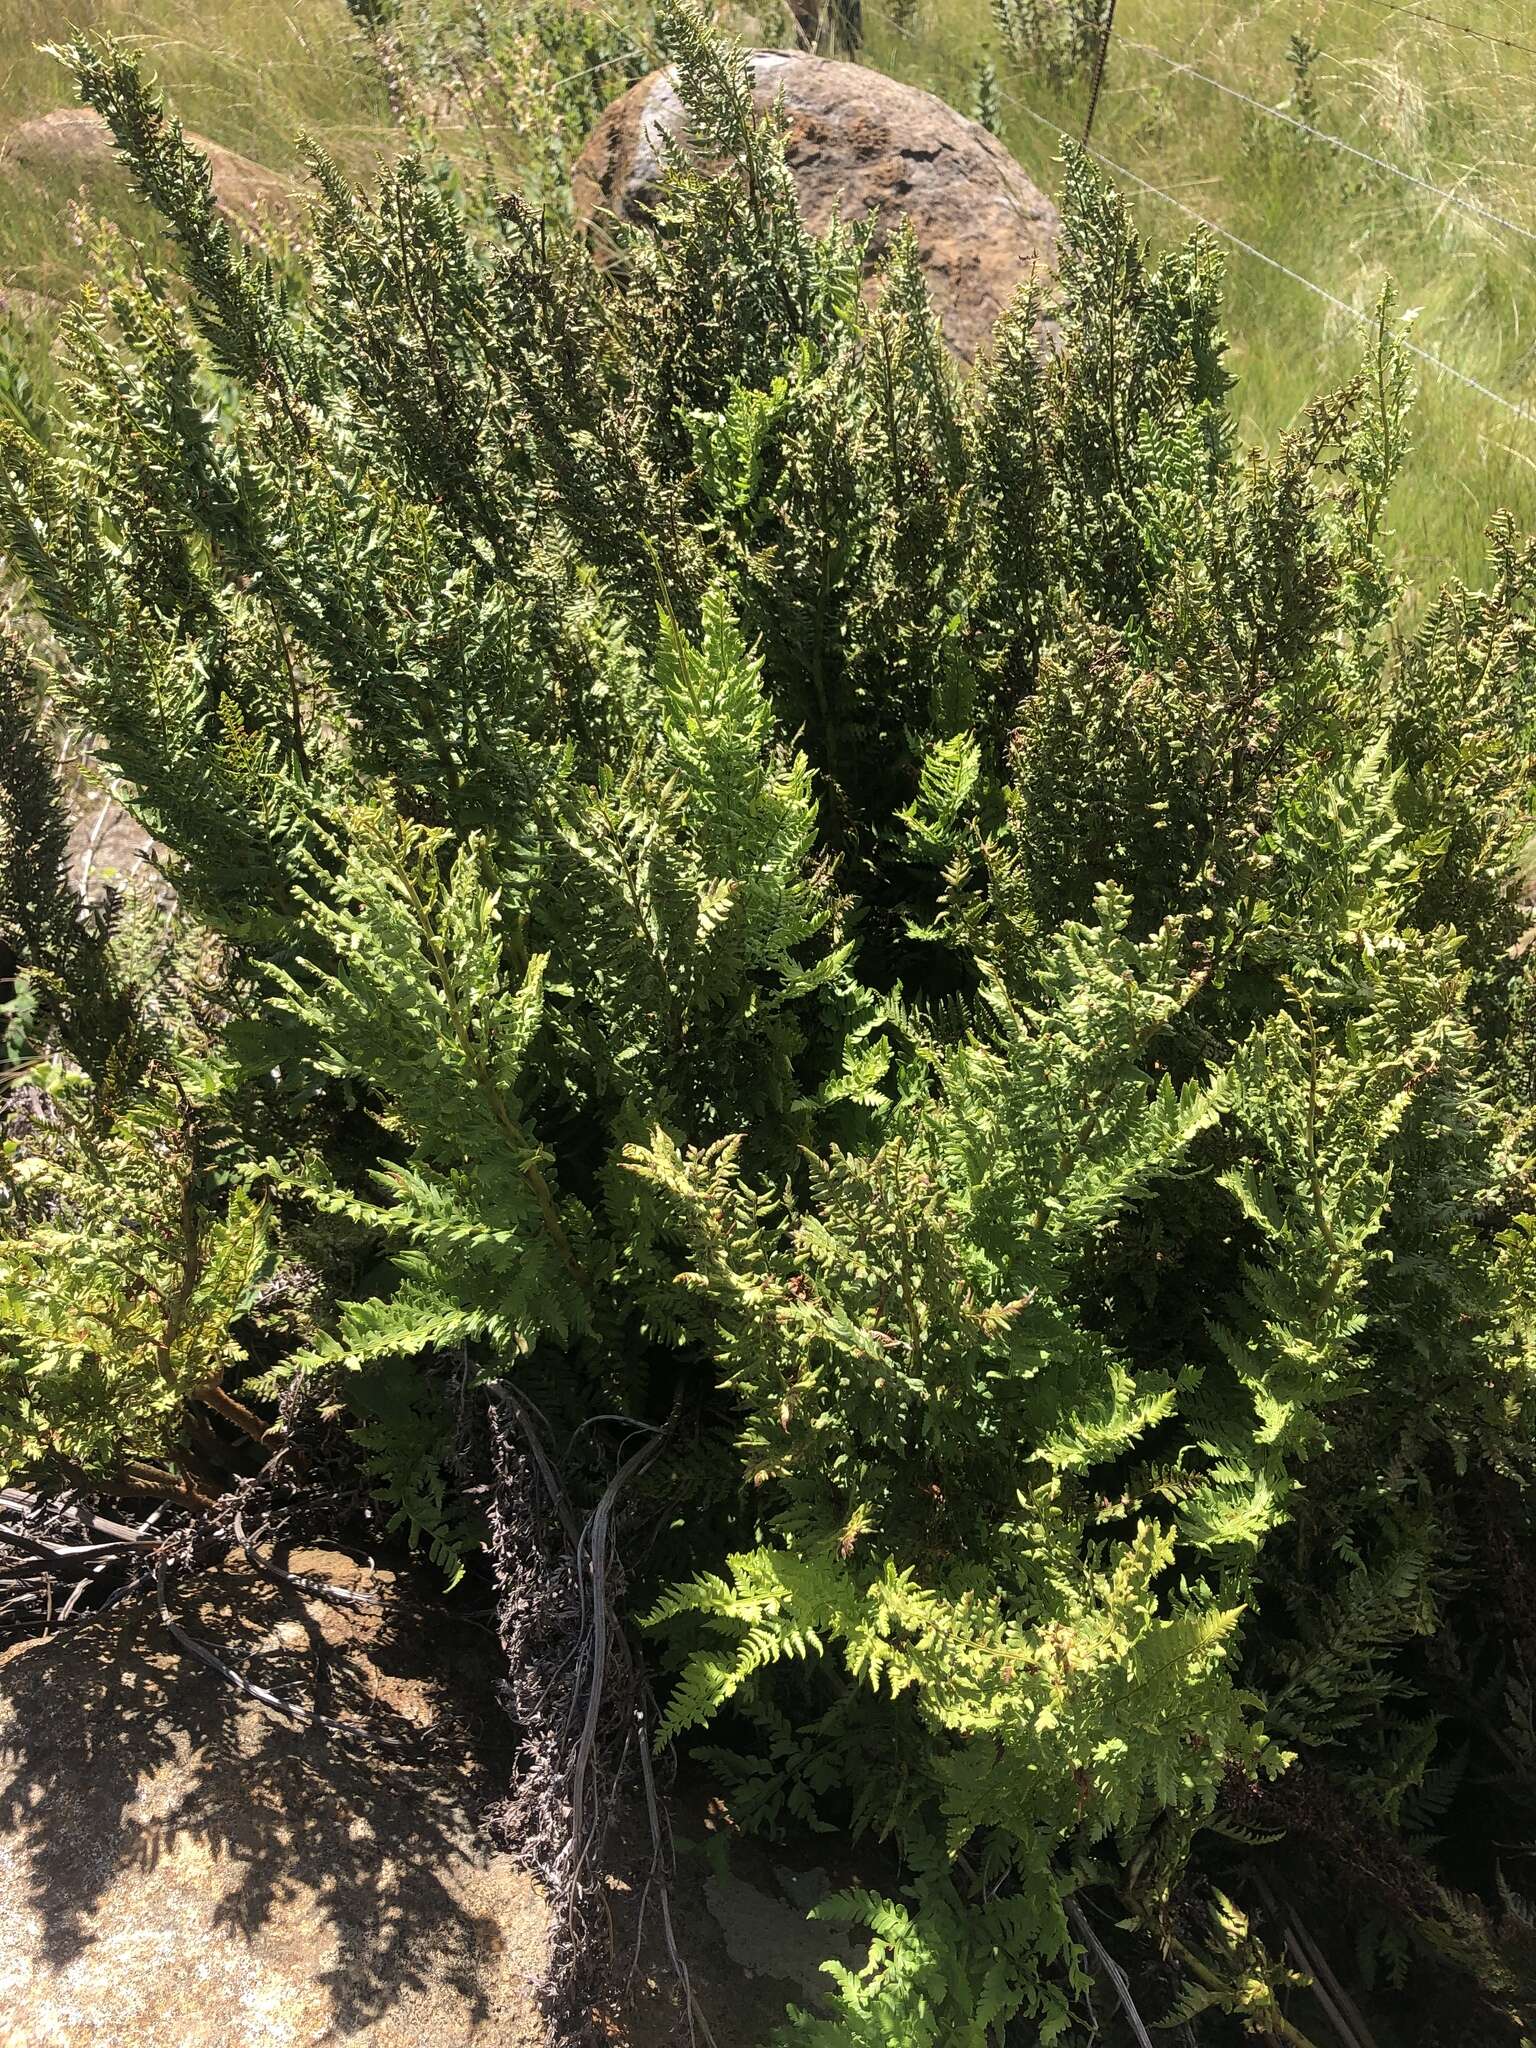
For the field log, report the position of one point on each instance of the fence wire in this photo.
(1518, 409)
(1456, 199)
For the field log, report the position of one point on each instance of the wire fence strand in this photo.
(1461, 28)
(1518, 409)
(607, 64)
(1456, 199)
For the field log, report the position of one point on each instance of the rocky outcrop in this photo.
(74, 144)
(858, 144)
(180, 1869)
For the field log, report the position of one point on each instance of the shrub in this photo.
(523, 84)
(939, 930)
(1054, 39)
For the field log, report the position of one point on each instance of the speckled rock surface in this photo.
(859, 142)
(74, 142)
(767, 1935)
(180, 1870)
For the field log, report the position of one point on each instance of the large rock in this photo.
(858, 143)
(75, 144)
(179, 1869)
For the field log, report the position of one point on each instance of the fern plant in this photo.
(121, 1294)
(940, 928)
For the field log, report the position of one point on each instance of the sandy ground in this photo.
(180, 1868)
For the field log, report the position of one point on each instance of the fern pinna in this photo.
(946, 929)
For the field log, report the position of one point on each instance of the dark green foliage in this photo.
(69, 976)
(937, 927)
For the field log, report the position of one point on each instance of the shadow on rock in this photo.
(179, 1866)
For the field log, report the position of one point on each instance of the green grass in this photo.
(1453, 110)
(251, 74)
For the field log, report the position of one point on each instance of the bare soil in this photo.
(179, 1868)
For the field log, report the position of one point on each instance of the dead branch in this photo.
(1342, 2012)
(235, 1412)
(16, 1499)
(289, 1710)
(320, 1589)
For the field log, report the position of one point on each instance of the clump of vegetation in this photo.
(920, 948)
(1054, 39)
(520, 87)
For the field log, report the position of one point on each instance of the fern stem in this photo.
(233, 1411)
(140, 1481)
(531, 1171)
(1276, 2025)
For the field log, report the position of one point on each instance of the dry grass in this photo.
(251, 74)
